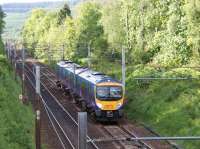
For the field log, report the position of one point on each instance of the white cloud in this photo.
(25, 1)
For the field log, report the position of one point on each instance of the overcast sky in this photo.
(26, 1)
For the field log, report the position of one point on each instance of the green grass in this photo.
(16, 120)
(170, 107)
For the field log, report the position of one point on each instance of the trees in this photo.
(153, 31)
(89, 31)
(63, 13)
(31, 29)
(192, 9)
(131, 24)
(173, 48)
(46, 38)
(58, 31)
(2, 15)
(113, 25)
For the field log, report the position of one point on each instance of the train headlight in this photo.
(99, 105)
(119, 105)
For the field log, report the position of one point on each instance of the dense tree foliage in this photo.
(158, 32)
(63, 13)
(75, 35)
(89, 30)
(153, 32)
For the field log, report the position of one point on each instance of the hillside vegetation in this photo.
(27, 7)
(164, 34)
(16, 120)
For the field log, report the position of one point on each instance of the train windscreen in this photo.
(109, 93)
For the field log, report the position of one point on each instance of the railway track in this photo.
(121, 133)
(120, 130)
(62, 114)
(55, 118)
(66, 122)
(128, 131)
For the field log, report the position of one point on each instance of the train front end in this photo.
(109, 100)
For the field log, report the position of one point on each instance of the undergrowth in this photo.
(16, 120)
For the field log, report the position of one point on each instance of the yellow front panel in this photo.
(109, 105)
(109, 84)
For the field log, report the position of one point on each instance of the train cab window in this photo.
(109, 93)
(116, 92)
(102, 92)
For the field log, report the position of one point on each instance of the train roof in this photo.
(86, 73)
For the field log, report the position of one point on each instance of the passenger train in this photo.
(97, 92)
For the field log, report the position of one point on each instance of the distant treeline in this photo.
(25, 7)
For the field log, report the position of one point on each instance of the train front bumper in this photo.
(109, 115)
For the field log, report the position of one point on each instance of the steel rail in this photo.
(145, 144)
(56, 100)
(48, 76)
(68, 114)
(89, 139)
(121, 143)
(135, 136)
(44, 103)
(123, 138)
(152, 78)
(175, 146)
(42, 83)
(189, 138)
(57, 122)
(51, 121)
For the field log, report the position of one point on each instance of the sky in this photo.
(22, 1)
